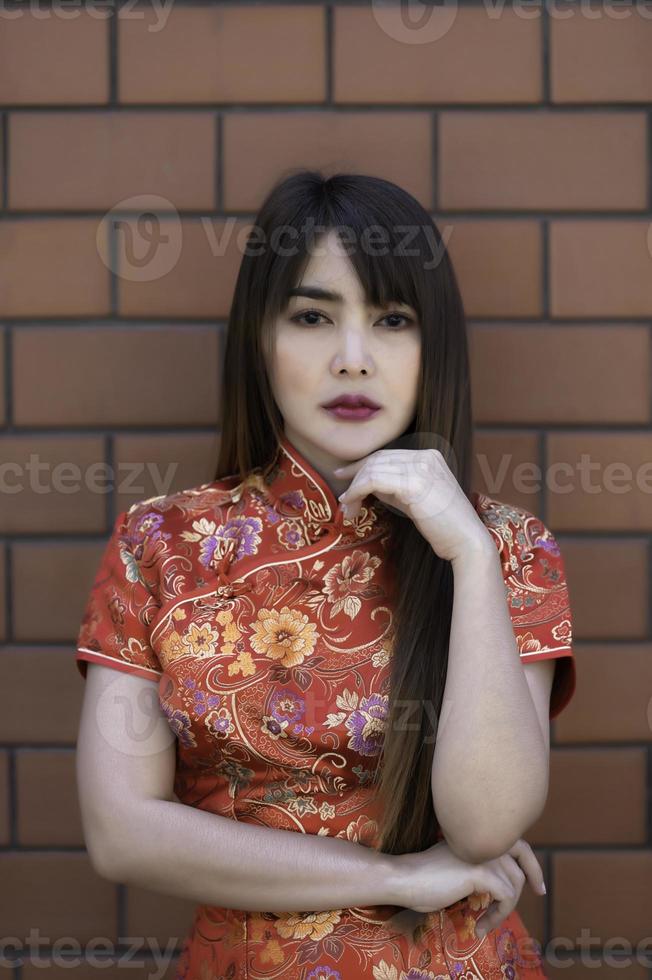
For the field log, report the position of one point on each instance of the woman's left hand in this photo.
(420, 484)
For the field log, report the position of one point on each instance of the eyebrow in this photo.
(315, 292)
(327, 295)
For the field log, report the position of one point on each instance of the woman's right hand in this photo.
(436, 878)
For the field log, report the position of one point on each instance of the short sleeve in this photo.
(115, 627)
(537, 594)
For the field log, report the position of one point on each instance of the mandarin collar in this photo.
(297, 488)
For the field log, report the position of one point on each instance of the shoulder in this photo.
(148, 517)
(519, 534)
(183, 525)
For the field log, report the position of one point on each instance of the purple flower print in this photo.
(244, 530)
(324, 973)
(291, 536)
(294, 498)
(147, 526)
(179, 722)
(220, 722)
(549, 544)
(367, 724)
(287, 706)
(204, 701)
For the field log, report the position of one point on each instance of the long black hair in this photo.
(412, 266)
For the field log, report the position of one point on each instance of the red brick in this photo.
(93, 160)
(455, 54)
(608, 892)
(222, 54)
(612, 699)
(562, 374)
(36, 566)
(192, 271)
(583, 783)
(53, 483)
(498, 264)
(89, 909)
(4, 798)
(3, 626)
(114, 375)
(48, 775)
(602, 481)
(53, 58)
(602, 58)
(543, 159)
(601, 268)
(507, 465)
(255, 157)
(42, 670)
(152, 464)
(52, 267)
(600, 610)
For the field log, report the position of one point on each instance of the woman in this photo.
(359, 718)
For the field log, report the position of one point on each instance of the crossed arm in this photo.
(491, 762)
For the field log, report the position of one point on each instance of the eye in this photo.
(401, 316)
(299, 318)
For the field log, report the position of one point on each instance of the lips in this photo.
(351, 401)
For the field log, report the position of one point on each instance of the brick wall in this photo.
(526, 132)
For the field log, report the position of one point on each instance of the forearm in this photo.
(489, 772)
(212, 860)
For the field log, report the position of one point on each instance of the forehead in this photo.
(329, 273)
(330, 276)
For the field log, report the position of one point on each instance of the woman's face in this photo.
(325, 346)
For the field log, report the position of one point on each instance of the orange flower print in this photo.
(346, 582)
(310, 925)
(362, 830)
(171, 648)
(230, 632)
(527, 643)
(201, 640)
(134, 650)
(117, 609)
(382, 657)
(465, 913)
(260, 930)
(286, 636)
(563, 631)
(243, 664)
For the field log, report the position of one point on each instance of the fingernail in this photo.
(543, 887)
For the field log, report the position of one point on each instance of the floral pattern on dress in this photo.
(265, 618)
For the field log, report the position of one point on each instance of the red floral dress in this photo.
(265, 618)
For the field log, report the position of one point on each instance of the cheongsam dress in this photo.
(265, 618)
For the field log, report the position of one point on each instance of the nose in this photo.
(353, 354)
